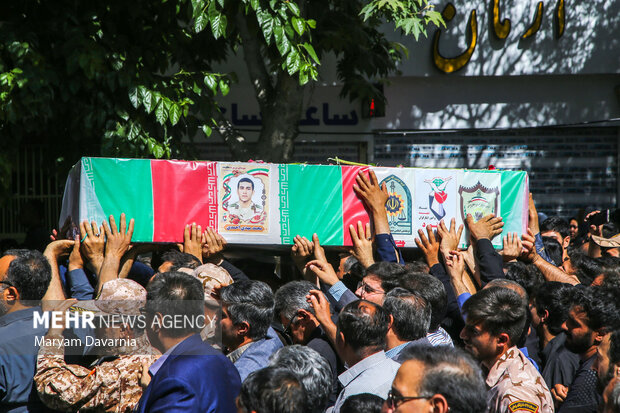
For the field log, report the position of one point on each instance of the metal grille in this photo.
(32, 179)
(569, 168)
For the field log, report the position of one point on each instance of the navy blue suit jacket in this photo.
(194, 378)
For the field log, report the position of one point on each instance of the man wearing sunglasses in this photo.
(437, 379)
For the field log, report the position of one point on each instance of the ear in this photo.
(566, 242)
(304, 315)
(544, 316)
(243, 328)
(156, 326)
(391, 322)
(503, 340)
(10, 294)
(598, 336)
(439, 404)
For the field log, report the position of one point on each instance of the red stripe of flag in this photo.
(183, 192)
(352, 207)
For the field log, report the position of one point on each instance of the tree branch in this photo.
(236, 142)
(255, 63)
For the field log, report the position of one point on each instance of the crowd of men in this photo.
(534, 327)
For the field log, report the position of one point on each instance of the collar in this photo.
(353, 372)
(395, 351)
(235, 355)
(499, 368)
(162, 359)
(19, 315)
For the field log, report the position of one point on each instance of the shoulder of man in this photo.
(522, 388)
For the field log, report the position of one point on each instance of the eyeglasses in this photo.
(367, 289)
(394, 401)
(287, 330)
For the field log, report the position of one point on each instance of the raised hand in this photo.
(429, 246)
(449, 238)
(118, 240)
(212, 246)
(528, 253)
(302, 251)
(93, 245)
(513, 248)
(369, 190)
(362, 244)
(324, 271)
(532, 222)
(75, 258)
(192, 237)
(488, 227)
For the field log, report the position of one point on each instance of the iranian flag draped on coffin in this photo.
(269, 204)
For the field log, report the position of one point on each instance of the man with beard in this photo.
(593, 313)
(607, 364)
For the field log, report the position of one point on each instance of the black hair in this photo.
(273, 390)
(175, 294)
(552, 297)
(410, 311)
(250, 301)
(389, 273)
(499, 310)
(588, 268)
(30, 273)
(452, 373)
(362, 403)
(526, 275)
(553, 250)
(432, 290)
(180, 260)
(245, 180)
(600, 305)
(361, 327)
(556, 224)
(417, 266)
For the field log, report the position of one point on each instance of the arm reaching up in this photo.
(117, 244)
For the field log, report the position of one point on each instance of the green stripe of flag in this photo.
(125, 185)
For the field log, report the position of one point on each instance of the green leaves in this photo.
(175, 114)
(411, 16)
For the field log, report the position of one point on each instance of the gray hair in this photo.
(291, 297)
(411, 313)
(311, 368)
(452, 373)
(252, 302)
(614, 398)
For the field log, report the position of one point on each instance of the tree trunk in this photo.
(281, 121)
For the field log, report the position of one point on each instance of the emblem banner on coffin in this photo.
(398, 206)
(478, 201)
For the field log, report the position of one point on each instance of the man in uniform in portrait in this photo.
(245, 209)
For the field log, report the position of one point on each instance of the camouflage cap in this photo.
(613, 242)
(212, 277)
(118, 296)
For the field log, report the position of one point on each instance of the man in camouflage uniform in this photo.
(495, 320)
(112, 382)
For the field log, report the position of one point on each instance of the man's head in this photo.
(557, 228)
(25, 276)
(593, 313)
(437, 379)
(607, 364)
(550, 307)
(311, 369)
(170, 296)
(380, 278)
(294, 311)
(410, 314)
(274, 390)
(495, 319)
(526, 275)
(573, 228)
(245, 189)
(174, 260)
(247, 311)
(433, 291)
(362, 327)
